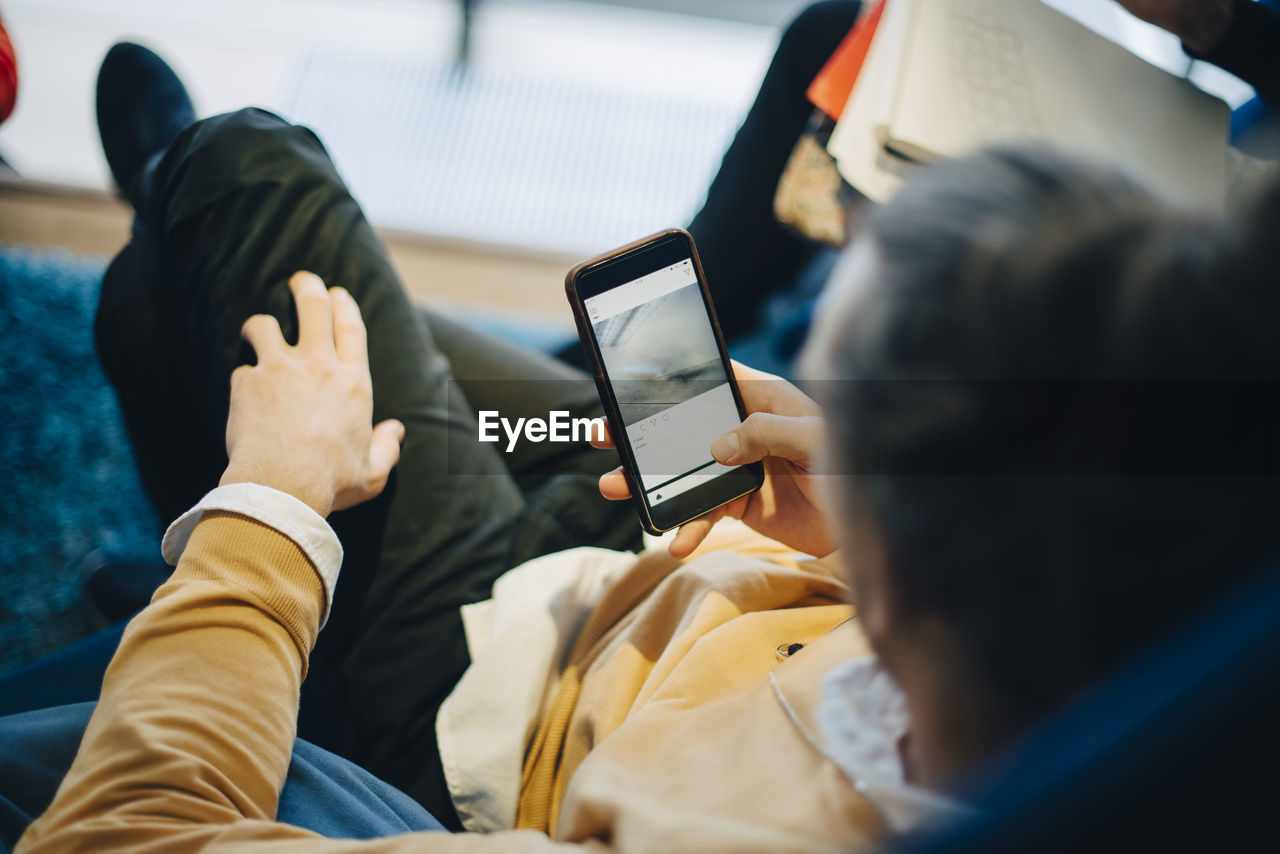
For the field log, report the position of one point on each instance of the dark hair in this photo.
(1049, 396)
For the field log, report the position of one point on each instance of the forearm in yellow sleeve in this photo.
(190, 743)
(198, 710)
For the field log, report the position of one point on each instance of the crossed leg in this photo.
(235, 206)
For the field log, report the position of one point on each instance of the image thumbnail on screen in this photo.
(663, 363)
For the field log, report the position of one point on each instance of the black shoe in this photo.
(142, 107)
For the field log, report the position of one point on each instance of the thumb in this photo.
(764, 434)
(384, 448)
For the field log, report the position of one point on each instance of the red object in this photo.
(830, 90)
(8, 75)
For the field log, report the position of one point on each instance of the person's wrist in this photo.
(250, 470)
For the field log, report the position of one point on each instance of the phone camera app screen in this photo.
(672, 390)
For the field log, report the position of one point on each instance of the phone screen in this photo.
(669, 380)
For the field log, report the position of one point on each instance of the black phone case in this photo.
(629, 466)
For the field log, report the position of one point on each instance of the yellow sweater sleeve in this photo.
(190, 743)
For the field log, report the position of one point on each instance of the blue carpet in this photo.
(70, 483)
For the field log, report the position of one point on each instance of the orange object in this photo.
(830, 90)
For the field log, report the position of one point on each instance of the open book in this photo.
(943, 78)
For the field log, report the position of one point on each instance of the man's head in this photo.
(1047, 387)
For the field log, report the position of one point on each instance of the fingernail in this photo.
(725, 448)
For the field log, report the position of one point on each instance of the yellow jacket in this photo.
(676, 727)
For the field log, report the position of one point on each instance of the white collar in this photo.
(863, 716)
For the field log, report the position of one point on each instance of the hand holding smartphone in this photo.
(784, 429)
(648, 326)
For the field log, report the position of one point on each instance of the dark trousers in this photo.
(224, 217)
(746, 253)
(235, 206)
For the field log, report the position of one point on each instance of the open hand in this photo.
(301, 419)
(784, 429)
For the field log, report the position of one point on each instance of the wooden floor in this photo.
(449, 276)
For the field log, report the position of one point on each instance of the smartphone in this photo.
(646, 320)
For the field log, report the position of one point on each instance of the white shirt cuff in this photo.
(275, 509)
